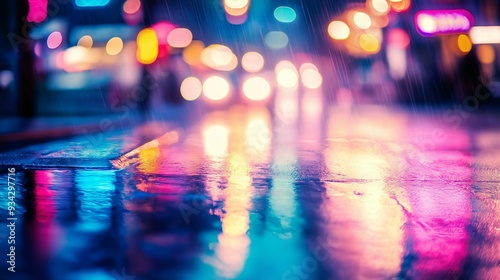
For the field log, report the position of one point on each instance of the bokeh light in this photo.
(426, 23)
(236, 11)
(215, 141)
(256, 88)
(37, 10)
(216, 88)
(191, 88)
(485, 34)
(398, 38)
(219, 57)
(180, 38)
(369, 43)
(54, 40)
(147, 46)
(276, 40)
(400, 5)
(86, 42)
(380, 7)
(192, 53)
(285, 14)
(310, 76)
(114, 46)
(236, 4)
(464, 43)
(287, 77)
(131, 6)
(338, 30)
(362, 20)
(486, 54)
(72, 57)
(252, 62)
(38, 49)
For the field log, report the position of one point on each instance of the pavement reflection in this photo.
(302, 191)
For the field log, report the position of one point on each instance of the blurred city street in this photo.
(366, 192)
(249, 139)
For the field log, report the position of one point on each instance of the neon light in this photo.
(91, 3)
(285, 14)
(442, 22)
(38, 10)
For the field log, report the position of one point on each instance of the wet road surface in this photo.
(297, 192)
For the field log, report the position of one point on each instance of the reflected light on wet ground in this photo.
(299, 191)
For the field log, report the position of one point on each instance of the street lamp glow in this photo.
(256, 88)
(338, 30)
(362, 20)
(216, 88)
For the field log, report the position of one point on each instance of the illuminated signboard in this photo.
(442, 22)
(485, 34)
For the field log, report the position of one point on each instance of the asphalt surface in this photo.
(296, 191)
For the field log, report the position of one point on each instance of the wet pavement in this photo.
(297, 191)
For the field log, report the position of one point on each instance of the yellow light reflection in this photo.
(148, 159)
(233, 246)
(215, 141)
(379, 220)
(259, 135)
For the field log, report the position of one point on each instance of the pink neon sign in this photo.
(442, 22)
